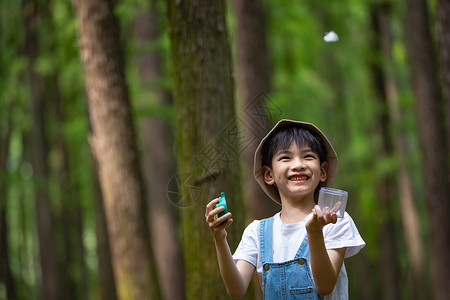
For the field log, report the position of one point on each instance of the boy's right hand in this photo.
(217, 229)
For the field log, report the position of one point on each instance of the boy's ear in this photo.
(323, 171)
(268, 176)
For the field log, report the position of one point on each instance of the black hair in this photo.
(282, 138)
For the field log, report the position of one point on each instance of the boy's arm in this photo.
(236, 277)
(325, 264)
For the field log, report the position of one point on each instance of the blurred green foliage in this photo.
(328, 84)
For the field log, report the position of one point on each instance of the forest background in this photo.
(118, 123)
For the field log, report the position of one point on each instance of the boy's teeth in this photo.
(299, 178)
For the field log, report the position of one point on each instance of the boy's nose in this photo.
(298, 164)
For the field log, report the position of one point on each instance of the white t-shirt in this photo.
(287, 239)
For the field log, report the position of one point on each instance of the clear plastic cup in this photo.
(329, 197)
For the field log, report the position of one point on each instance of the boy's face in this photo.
(296, 171)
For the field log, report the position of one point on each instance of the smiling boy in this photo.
(294, 252)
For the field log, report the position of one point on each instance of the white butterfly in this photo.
(330, 36)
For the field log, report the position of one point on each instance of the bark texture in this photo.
(207, 136)
(107, 285)
(114, 143)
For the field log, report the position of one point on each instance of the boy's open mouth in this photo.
(298, 177)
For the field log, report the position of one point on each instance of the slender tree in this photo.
(7, 103)
(107, 285)
(71, 252)
(389, 270)
(253, 85)
(443, 30)
(432, 140)
(158, 158)
(207, 135)
(65, 208)
(410, 218)
(52, 280)
(113, 142)
(6, 278)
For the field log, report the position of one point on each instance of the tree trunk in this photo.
(6, 278)
(113, 141)
(51, 277)
(70, 228)
(106, 283)
(432, 140)
(443, 30)
(159, 161)
(410, 218)
(388, 250)
(363, 287)
(207, 136)
(253, 86)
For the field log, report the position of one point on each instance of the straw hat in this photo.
(258, 170)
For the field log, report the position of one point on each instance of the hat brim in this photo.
(258, 170)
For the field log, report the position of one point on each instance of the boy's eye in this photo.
(284, 157)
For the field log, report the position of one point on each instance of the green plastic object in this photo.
(222, 202)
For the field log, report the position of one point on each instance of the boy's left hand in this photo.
(320, 219)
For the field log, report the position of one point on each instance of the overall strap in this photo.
(265, 239)
(303, 250)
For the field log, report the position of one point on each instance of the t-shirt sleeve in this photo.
(343, 234)
(248, 248)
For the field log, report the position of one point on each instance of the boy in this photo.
(294, 253)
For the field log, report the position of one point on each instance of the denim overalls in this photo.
(286, 280)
